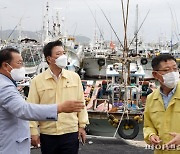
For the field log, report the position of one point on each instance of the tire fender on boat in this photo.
(101, 62)
(144, 61)
(132, 125)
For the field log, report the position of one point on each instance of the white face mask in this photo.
(171, 79)
(17, 74)
(61, 61)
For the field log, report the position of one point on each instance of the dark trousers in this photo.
(59, 144)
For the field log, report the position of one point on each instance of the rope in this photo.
(125, 110)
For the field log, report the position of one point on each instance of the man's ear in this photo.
(48, 59)
(5, 66)
(155, 75)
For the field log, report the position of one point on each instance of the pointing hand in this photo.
(71, 106)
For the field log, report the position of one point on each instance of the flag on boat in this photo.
(112, 45)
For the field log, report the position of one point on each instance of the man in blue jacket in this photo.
(15, 111)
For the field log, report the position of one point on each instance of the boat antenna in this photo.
(75, 29)
(14, 28)
(101, 35)
(175, 27)
(139, 29)
(111, 26)
(177, 23)
(54, 27)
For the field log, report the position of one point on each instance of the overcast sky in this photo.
(160, 21)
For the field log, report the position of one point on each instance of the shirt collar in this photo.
(54, 76)
(49, 74)
(171, 92)
(176, 91)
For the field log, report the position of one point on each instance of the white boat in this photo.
(96, 59)
(31, 52)
(72, 48)
(74, 52)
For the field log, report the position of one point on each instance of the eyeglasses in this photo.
(169, 70)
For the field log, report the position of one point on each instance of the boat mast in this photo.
(125, 77)
(136, 29)
(46, 25)
(125, 20)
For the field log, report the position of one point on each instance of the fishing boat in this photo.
(31, 52)
(73, 49)
(97, 56)
(119, 100)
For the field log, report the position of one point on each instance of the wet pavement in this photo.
(106, 145)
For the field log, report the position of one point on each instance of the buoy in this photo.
(126, 127)
(110, 121)
(116, 121)
(131, 126)
(115, 125)
(137, 117)
(140, 120)
(113, 121)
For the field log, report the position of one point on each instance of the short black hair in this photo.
(47, 50)
(160, 58)
(6, 55)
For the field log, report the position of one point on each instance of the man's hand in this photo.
(154, 139)
(70, 106)
(82, 135)
(175, 140)
(35, 141)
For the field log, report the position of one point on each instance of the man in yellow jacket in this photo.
(51, 87)
(162, 110)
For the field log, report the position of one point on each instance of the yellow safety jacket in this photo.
(161, 121)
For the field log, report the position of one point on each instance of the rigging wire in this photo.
(174, 23)
(139, 29)
(111, 27)
(15, 28)
(101, 35)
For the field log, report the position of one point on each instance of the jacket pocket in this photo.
(177, 106)
(45, 92)
(70, 85)
(23, 132)
(176, 114)
(70, 91)
(46, 88)
(19, 140)
(156, 115)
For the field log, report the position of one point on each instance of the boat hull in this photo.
(93, 69)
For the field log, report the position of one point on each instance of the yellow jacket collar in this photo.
(176, 94)
(48, 74)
